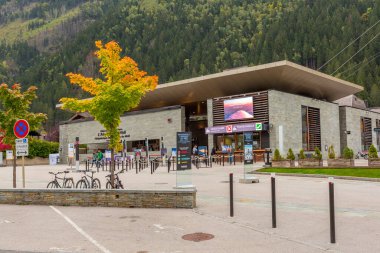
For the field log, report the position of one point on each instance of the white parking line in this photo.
(92, 240)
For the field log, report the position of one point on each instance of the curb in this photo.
(368, 179)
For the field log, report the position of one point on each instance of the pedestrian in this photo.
(99, 158)
(195, 150)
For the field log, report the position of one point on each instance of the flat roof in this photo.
(283, 76)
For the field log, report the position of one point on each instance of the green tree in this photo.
(119, 91)
(331, 152)
(15, 105)
(277, 156)
(372, 152)
(290, 155)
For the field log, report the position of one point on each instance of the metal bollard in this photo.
(231, 195)
(223, 160)
(332, 210)
(273, 184)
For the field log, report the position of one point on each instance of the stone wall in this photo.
(285, 111)
(153, 124)
(352, 124)
(105, 198)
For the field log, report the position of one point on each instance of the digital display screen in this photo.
(239, 108)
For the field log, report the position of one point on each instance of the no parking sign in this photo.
(21, 128)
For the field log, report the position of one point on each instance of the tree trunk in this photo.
(112, 168)
(14, 166)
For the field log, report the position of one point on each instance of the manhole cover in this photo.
(198, 237)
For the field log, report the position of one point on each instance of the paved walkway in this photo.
(303, 219)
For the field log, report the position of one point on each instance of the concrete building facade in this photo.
(289, 106)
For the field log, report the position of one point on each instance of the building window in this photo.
(366, 132)
(311, 128)
(153, 145)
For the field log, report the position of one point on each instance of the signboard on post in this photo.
(183, 150)
(9, 154)
(22, 147)
(21, 128)
(248, 148)
(71, 150)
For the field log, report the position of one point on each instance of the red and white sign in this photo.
(229, 128)
(21, 128)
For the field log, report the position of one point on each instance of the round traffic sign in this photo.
(21, 128)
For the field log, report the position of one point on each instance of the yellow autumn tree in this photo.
(121, 89)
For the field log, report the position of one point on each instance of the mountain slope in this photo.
(181, 39)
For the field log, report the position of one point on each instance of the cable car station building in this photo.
(285, 105)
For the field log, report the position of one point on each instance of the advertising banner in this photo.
(236, 128)
(248, 146)
(183, 150)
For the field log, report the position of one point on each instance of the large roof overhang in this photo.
(283, 76)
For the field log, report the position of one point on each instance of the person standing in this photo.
(99, 158)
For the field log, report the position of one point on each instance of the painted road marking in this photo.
(88, 237)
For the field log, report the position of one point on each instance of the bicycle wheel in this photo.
(108, 185)
(69, 183)
(52, 184)
(81, 184)
(96, 183)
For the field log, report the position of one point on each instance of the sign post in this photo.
(22, 149)
(184, 160)
(248, 157)
(21, 130)
(70, 154)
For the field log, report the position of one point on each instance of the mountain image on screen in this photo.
(240, 108)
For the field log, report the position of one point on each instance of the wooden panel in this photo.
(314, 122)
(260, 109)
(367, 132)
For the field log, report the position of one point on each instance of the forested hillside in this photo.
(41, 40)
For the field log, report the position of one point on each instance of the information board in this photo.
(71, 150)
(9, 155)
(22, 147)
(248, 146)
(183, 150)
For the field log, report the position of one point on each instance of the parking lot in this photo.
(302, 221)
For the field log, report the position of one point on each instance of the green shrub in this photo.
(41, 148)
(290, 155)
(301, 155)
(372, 152)
(317, 154)
(277, 156)
(331, 152)
(348, 153)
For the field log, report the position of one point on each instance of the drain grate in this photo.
(198, 237)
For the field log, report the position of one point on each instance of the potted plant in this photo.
(345, 161)
(279, 161)
(315, 161)
(373, 158)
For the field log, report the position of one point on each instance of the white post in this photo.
(281, 139)
(23, 172)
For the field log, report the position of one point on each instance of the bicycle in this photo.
(117, 183)
(66, 182)
(84, 182)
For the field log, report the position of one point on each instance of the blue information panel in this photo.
(183, 150)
